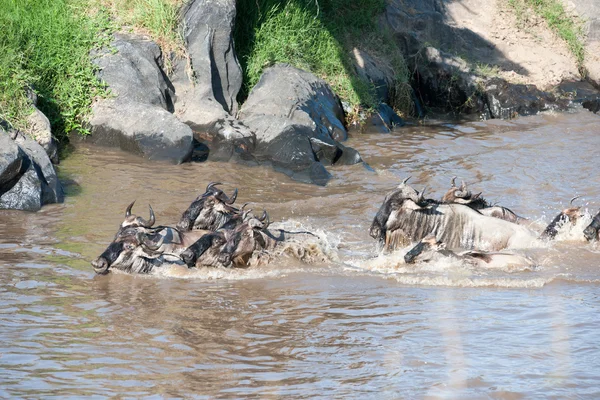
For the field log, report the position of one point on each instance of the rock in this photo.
(208, 27)
(509, 100)
(296, 118)
(138, 128)
(27, 177)
(385, 119)
(206, 93)
(139, 117)
(40, 130)
(380, 75)
(581, 93)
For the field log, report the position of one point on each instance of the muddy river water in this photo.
(352, 324)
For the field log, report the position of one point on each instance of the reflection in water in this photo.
(359, 325)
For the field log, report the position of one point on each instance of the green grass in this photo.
(317, 36)
(567, 27)
(45, 45)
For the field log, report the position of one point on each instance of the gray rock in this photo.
(207, 86)
(208, 27)
(378, 74)
(52, 191)
(138, 128)
(589, 12)
(296, 118)
(39, 129)
(27, 177)
(132, 69)
(138, 118)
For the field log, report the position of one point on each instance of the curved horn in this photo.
(263, 216)
(128, 210)
(422, 194)
(453, 181)
(231, 200)
(406, 180)
(573, 199)
(245, 214)
(152, 219)
(463, 186)
(212, 185)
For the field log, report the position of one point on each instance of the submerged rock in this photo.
(297, 120)
(138, 118)
(27, 177)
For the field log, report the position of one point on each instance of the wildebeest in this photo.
(138, 246)
(462, 195)
(592, 231)
(211, 210)
(570, 214)
(431, 249)
(406, 216)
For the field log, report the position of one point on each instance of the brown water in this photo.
(358, 325)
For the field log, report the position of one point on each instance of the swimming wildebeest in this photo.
(211, 210)
(407, 216)
(430, 249)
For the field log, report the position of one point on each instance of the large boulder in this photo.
(27, 177)
(208, 84)
(138, 115)
(297, 120)
(39, 129)
(590, 13)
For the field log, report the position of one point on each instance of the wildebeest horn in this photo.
(573, 199)
(406, 180)
(128, 210)
(263, 218)
(422, 194)
(231, 200)
(453, 181)
(245, 214)
(152, 219)
(211, 185)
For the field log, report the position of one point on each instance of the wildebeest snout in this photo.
(100, 265)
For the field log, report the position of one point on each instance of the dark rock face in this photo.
(206, 95)
(581, 93)
(509, 100)
(139, 118)
(297, 122)
(27, 177)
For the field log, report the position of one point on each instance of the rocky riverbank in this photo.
(466, 59)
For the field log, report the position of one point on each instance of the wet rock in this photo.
(138, 118)
(507, 101)
(385, 119)
(581, 93)
(297, 120)
(27, 177)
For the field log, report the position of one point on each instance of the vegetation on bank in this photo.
(44, 48)
(318, 36)
(566, 26)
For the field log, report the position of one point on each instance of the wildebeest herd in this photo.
(213, 232)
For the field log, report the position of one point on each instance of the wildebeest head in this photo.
(592, 231)
(207, 251)
(131, 251)
(570, 214)
(462, 195)
(210, 211)
(425, 250)
(246, 238)
(403, 196)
